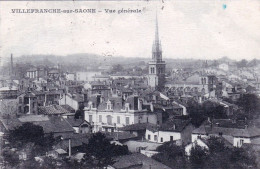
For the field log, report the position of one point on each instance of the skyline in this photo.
(220, 28)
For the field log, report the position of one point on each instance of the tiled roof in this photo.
(137, 160)
(137, 127)
(75, 122)
(51, 124)
(76, 140)
(174, 125)
(52, 109)
(120, 135)
(230, 129)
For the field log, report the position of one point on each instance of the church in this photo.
(156, 76)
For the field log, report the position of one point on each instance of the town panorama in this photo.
(122, 113)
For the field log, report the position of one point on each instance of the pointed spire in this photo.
(156, 30)
(157, 50)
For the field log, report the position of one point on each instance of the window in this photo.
(90, 118)
(241, 142)
(109, 119)
(118, 119)
(149, 137)
(155, 137)
(100, 118)
(161, 139)
(127, 120)
(20, 100)
(171, 138)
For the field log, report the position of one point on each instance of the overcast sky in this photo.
(201, 29)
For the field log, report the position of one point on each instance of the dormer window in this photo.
(109, 105)
(127, 107)
(90, 105)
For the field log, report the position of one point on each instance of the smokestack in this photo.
(11, 66)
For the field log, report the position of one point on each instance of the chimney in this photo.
(151, 107)
(174, 126)
(69, 147)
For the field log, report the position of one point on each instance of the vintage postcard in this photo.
(130, 84)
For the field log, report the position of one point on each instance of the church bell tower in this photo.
(156, 76)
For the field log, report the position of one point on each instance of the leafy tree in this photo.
(100, 152)
(30, 133)
(215, 145)
(198, 157)
(239, 158)
(250, 104)
(242, 63)
(196, 113)
(171, 155)
(117, 68)
(26, 133)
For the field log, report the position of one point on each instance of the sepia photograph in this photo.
(141, 84)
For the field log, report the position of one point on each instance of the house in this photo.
(73, 100)
(199, 142)
(70, 76)
(204, 143)
(27, 103)
(58, 126)
(97, 87)
(8, 92)
(172, 130)
(47, 98)
(137, 129)
(108, 114)
(53, 74)
(86, 76)
(136, 160)
(235, 132)
(179, 108)
(80, 125)
(224, 66)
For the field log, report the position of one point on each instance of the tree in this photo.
(171, 155)
(196, 113)
(239, 158)
(100, 152)
(198, 157)
(117, 68)
(250, 104)
(30, 133)
(242, 63)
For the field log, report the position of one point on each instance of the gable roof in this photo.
(52, 109)
(76, 122)
(137, 127)
(227, 129)
(137, 160)
(51, 124)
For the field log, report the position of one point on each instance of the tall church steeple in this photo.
(157, 49)
(156, 77)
